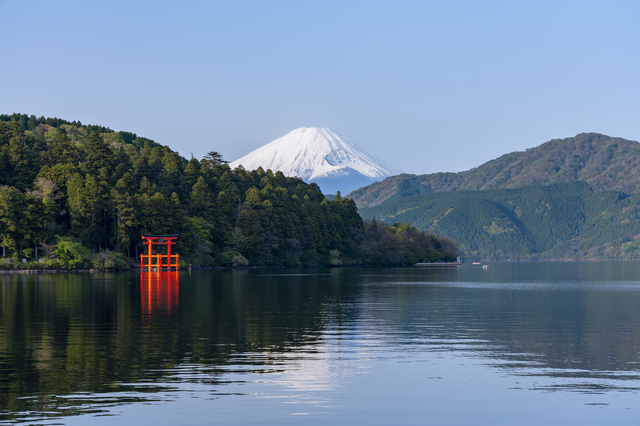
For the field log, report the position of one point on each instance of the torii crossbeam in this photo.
(159, 261)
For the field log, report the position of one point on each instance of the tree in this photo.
(87, 201)
(98, 154)
(201, 200)
(12, 204)
(237, 241)
(213, 160)
(124, 211)
(62, 151)
(19, 164)
(23, 219)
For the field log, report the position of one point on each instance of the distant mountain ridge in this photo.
(603, 162)
(321, 156)
(559, 221)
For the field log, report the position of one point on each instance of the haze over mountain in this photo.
(320, 156)
(603, 162)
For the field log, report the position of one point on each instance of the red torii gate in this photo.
(162, 260)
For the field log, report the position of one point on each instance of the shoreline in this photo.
(201, 268)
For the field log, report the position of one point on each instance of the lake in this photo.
(515, 344)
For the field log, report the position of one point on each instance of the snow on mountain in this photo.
(321, 156)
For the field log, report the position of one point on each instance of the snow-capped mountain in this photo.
(320, 156)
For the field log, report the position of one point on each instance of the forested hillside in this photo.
(80, 196)
(603, 162)
(568, 220)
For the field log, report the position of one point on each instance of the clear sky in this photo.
(426, 85)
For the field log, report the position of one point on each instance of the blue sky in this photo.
(427, 86)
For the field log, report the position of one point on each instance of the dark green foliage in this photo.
(566, 220)
(603, 162)
(71, 186)
(23, 219)
(586, 208)
(72, 254)
(19, 160)
(402, 244)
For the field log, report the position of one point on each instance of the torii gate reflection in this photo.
(159, 293)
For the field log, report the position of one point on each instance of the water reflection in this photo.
(85, 343)
(159, 293)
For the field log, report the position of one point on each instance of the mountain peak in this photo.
(319, 155)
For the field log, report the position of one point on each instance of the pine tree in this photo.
(98, 155)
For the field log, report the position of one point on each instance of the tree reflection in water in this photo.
(74, 344)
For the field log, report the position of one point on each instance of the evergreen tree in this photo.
(98, 155)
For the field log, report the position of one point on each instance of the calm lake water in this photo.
(516, 344)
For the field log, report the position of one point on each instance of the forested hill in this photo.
(82, 195)
(603, 162)
(560, 221)
(49, 128)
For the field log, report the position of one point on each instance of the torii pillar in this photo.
(150, 241)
